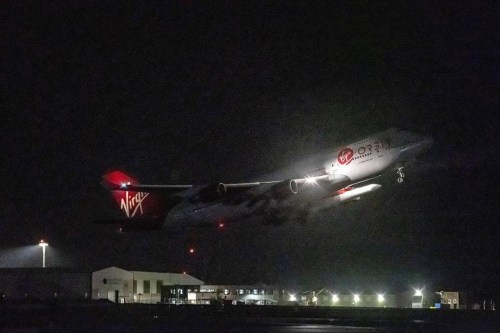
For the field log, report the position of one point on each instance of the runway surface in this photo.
(109, 317)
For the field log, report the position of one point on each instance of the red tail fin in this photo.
(134, 204)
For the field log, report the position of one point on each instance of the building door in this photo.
(113, 296)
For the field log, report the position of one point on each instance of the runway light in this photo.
(356, 298)
(380, 298)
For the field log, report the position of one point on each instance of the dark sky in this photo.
(184, 91)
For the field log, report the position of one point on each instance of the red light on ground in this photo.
(184, 272)
(191, 250)
(221, 225)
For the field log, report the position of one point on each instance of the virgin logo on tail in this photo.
(132, 203)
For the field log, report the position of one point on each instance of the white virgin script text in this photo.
(131, 203)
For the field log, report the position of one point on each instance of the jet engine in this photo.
(212, 192)
(284, 189)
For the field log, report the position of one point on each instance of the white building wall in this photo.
(140, 286)
(153, 287)
(168, 279)
(106, 282)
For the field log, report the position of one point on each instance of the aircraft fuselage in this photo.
(321, 177)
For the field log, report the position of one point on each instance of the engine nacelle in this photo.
(284, 189)
(212, 192)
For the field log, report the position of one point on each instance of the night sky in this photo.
(187, 92)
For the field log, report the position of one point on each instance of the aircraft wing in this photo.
(118, 181)
(167, 189)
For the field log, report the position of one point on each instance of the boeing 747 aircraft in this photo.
(321, 182)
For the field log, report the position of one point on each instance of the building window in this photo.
(226, 291)
(159, 284)
(135, 287)
(241, 291)
(234, 292)
(147, 287)
(255, 292)
(207, 290)
(248, 291)
(269, 291)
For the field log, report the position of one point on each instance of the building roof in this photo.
(168, 278)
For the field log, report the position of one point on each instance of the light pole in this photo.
(43, 245)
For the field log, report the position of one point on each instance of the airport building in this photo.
(325, 297)
(260, 294)
(453, 299)
(119, 285)
(122, 286)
